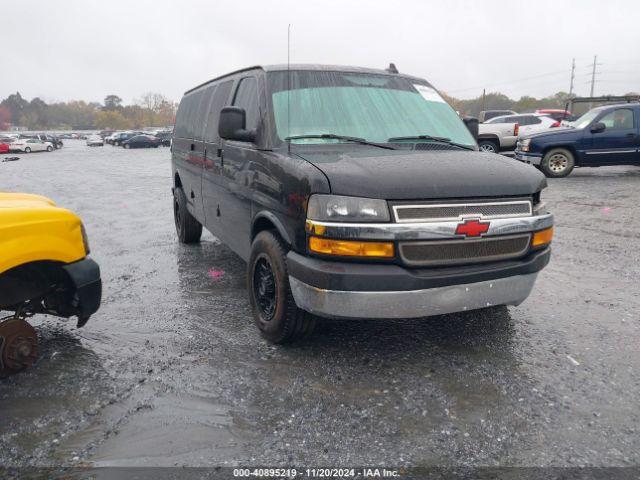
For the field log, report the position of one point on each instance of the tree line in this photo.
(152, 109)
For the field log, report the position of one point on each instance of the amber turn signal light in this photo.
(351, 248)
(543, 237)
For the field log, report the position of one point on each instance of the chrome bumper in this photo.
(413, 303)
(530, 159)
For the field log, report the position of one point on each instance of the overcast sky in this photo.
(87, 49)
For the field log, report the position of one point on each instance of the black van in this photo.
(353, 193)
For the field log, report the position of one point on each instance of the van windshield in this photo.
(368, 106)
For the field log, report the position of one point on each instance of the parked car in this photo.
(142, 141)
(54, 140)
(121, 137)
(95, 141)
(105, 133)
(486, 115)
(111, 137)
(557, 114)
(28, 145)
(608, 135)
(528, 122)
(44, 269)
(371, 201)
(165, 138)
(495, 137)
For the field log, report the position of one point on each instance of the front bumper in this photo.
(358, 290)
(530, 158)
(412, 303)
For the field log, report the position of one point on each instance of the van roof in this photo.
(308, 67)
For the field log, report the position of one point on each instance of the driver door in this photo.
(619, 142)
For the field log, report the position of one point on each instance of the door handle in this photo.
(631, 135)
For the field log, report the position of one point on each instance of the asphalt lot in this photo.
(171, 370)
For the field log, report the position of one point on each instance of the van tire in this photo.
(490, 146)
(279, 320)
(557, 163)
(189, 230)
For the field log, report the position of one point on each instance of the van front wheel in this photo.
(189, 230)
(274, 309)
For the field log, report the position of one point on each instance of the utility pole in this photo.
(593, 78)
(573, 75)
(593, 74)
(484, 102)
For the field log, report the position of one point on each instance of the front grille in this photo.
(455, 252)
(457, 211)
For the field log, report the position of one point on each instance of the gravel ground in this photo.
(171, 370)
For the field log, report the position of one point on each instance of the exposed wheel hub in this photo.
(18, 346)
(264, 286)
(558, 163)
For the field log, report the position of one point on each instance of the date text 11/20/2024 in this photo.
(318, 472)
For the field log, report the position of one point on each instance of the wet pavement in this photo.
(171, 370)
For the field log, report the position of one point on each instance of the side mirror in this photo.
(233, 125)
(598, 127)
(472, 124)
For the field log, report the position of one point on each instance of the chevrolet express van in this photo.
(353, 193)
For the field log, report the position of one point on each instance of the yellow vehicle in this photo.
(44, 268)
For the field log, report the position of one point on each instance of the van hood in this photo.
(402, 175)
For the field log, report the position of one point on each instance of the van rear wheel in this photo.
(275, 312)
(189, 230)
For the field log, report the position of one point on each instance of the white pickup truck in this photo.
(494, 137)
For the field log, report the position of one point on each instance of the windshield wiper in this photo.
(432, 138)
(333, 136)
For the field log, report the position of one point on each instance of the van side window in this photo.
(202, 110)
(180, 128)
(621, 119)
(247, 98)
(194, 104)
(220, 99)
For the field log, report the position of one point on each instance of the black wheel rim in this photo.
(264, 287)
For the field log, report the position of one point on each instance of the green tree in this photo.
(112, 102)
(16, 106)
(112, 120)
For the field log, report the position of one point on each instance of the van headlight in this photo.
(338, 208)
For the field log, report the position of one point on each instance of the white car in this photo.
(528, 122)
(28, 145)
(95, 141)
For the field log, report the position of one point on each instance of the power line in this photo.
(507, 82)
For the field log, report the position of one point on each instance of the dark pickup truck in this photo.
(353, 193)
(608, 135)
